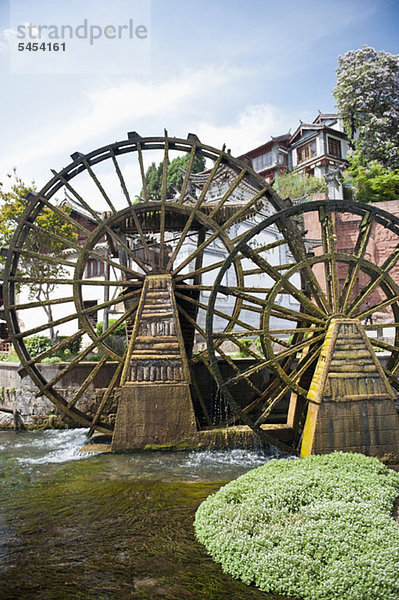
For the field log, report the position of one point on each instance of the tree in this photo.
(174, 176)
(372, 183)
(40, 243)
(367, 94)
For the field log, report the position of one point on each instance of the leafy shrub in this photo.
(73, 346)
(297, 185)
(36, 344)
(247, 342)
(318, 528)
(120, 330)
(52, 359)
(12, 357)
(93, 357)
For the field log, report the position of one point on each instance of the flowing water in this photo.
(99, 527)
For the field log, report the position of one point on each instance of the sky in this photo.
(230, 71)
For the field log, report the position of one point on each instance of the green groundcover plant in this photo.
(319, 528)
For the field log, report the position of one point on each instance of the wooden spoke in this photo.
(85, 352)
(392, 378)
(383, 271)
(377, 307)
(255, 309)
(112, 234)
(63, 215)
(366, 227)
(218, 313)
(256, 271)
(265, 247)
(75, 361)
(142, 172)
(163, 203)
(191, 321)
(40, 303)
(71, 317)
(327, 265)
(45, 258)
(199, 271)
(206, 288)
(54, 236)
(54, 349)
(80, 199)
(299, 252)
(384, 345)
(243, 348)
(107, 395)
(230, 362)
(187, 175)
(374, 326)
(199, 397)
(271, 391)
(286, 284)
(87, 382)
(98, 184)
(121, 178)
(226, 290)
(68, 243)
(282, 355)
(142, 238)
(215, 235)
(194, 211)
(310, 359)
(62, 281)
(104, 258)
(291, 331)
(77, 246)
(237, 334)
(293, 315)
(331, 246)
(272, 402)
(228, 193)
(296, 347)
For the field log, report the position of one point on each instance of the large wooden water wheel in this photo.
(144, 261)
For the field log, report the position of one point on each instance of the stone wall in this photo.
(20, 393)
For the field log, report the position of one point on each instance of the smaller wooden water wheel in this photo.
(326, 265)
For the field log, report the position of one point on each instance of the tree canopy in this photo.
(174, 175)
(40, 242)
(367, 94)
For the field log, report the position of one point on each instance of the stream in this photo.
(99, 527)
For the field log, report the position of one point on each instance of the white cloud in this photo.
(252, 127)
(191, 101)
(130, 104)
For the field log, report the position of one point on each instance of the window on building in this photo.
(282, 158)
(91, 316)
(94, 268)
(334, 147)
(305, 152)
(262, 162)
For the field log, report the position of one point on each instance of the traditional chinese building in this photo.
(319, 148)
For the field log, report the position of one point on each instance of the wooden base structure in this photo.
(155, 404)
(351, 404)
